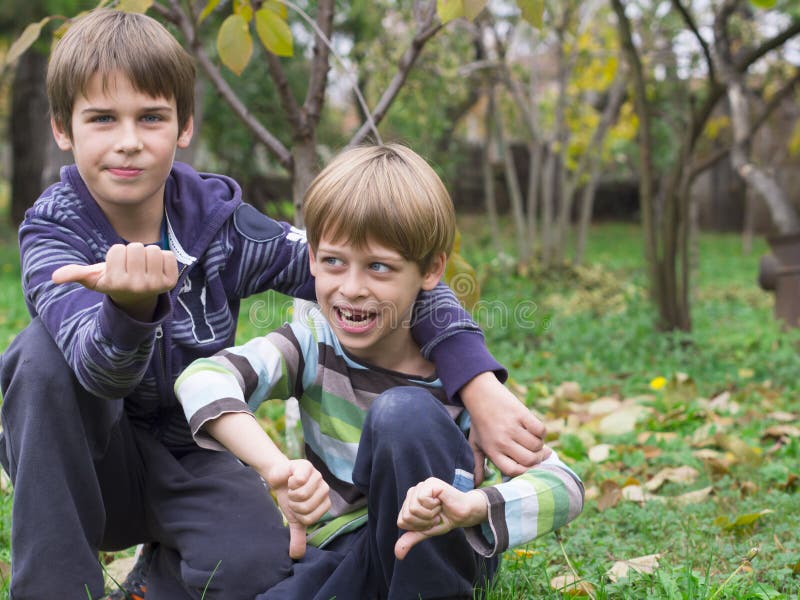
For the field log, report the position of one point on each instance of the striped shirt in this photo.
(305, 360)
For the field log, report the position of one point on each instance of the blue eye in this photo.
(332, 261)
(152, 118)
(379, 267)
(102, 119)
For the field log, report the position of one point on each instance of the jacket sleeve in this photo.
(107, 349)
(239, 379)
(528, 506)
(268, 254)
(451, 339)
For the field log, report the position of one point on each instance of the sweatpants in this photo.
(408, 436)
(87, 479)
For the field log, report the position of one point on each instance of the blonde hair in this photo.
(106, 41)
(385, 193)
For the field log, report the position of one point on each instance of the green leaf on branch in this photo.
(212, 4)
(472, 8)
(24, 41)
(234, 43)
(763, 4)
(135, 6)
(532, 12)
(274, 32)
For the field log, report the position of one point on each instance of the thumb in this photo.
(407, 541)
(297, 540)
(480, 461)
(86, 275)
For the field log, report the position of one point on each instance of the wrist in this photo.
(477, 389)
(276, 473)
(478, 508)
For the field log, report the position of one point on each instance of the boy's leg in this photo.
(59, 443)
(217, 526)
(408, 436)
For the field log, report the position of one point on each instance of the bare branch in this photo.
(293, 113)
(689, 21)
(745, 59)
(426, 30)
(272, 143)
(318, 79)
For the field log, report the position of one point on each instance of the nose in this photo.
(129, 140)
(352, 284)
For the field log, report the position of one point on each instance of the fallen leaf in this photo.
(722, 403)
(571, 585)
(741, 521)
(739, 448)
(600, 453)
(790, 484)
(603, 406)
(747, 488)
(635, 493)
(695, 497)
(783, 417)
(622, 421)
(718, 462)
(569, 390)
(640, 564)
(610, 497)
(779, 431)
(119, 569)
(651, 452)
(592, 493)
(684, 474)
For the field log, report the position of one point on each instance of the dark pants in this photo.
(408, 436)
(85, 478)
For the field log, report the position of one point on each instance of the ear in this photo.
(62, 138)
(185, 136)
(435, 271)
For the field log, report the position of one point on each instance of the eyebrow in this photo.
(153, 108)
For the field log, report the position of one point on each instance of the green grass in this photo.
(594, 326)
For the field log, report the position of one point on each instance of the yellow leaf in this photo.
(134, 6)
(243, 9)
(234, 43)
(571, 585)
(741, 521)
(449, 10)
(461, 278)
(25, 41)
(278, 8)
(472, 8)
(212, 4)
(274, 32)
(532, 12)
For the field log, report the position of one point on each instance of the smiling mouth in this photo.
(354, 319)
(124, 171)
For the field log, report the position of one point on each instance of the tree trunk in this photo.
(488, 175)
(30, 133)
(534, 185)
(306, 167)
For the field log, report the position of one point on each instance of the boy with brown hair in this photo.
(385, 446)
(132, 267)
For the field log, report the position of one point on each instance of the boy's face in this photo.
(367, 296)
(124, 143)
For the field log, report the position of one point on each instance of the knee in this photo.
(407, 412)
(34, 359)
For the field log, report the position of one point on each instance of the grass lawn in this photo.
(688, 444)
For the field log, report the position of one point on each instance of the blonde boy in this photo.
(375, 417)
(132, 267)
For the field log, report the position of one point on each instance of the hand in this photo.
(434, 507)
(303, 497)
(502, 428)
(133, 276)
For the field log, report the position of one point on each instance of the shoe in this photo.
(135, 584)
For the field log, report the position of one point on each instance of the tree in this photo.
(665, 189)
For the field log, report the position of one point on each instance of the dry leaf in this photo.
(119, 569)
(622, 421)
(683, 474)
(641, 564)
(783, 417)
(718, 462)
(747, 488)
(569, 390)
(611, 495)
(600, 453)
(603, 406)
(722, 403)
(779, 431)
(635, 493)
(695, 497)
(571, 585)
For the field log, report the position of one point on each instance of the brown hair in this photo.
(385, 193)
(106, 41)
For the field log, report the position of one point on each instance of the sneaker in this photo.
(135, 584)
